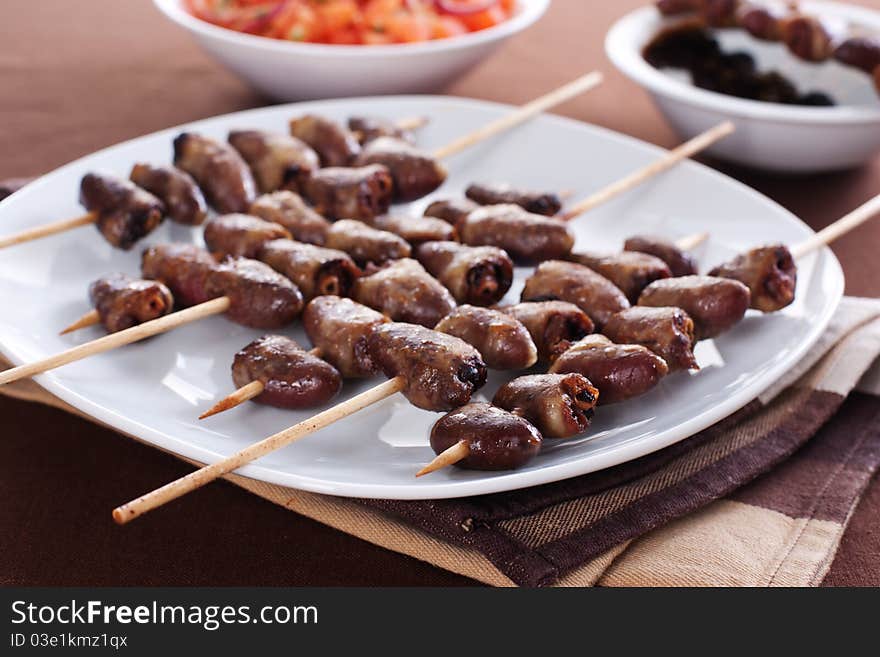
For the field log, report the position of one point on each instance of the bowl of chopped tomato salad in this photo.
(302, 49)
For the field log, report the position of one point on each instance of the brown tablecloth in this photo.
(80, 76)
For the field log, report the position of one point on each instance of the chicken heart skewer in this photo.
(220, 197)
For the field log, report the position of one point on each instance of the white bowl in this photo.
(769, 136)
(287, 70)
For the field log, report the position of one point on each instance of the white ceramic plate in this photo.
(155, 390)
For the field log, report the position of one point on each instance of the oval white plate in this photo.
(155, 390)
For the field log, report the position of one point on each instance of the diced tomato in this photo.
(408, 28)
(447, 26)
(484, 19)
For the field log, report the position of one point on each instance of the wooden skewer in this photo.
(690, 242)
(243, 394)
(447, 457)
(48, 229)
(209, 473)
(839, 228)
(114, 340)
(89, 319)
(524, 113)
(673, 157)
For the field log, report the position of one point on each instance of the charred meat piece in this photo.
(241, 234)
(350, 193)
(503, 341)
(769, 272)
(480, 275)
(545, 203)
(630, 271)
(619, 371)
(315, 270)
(761, 22)
(806, 37)
(219, 170)
(714, 304)
(559, 405)
(680, 263)
(334, 144)
(368, 128)
(125, 212)
(525, 236)
(496, 439)
(184, 268)
(440, 371)
(414, 230)
(668, 332)
(414, 172)
(181, 195)
(288, 209)
(859, 52)
(259, 296)
(577, 284)
(553, 325)
(339, 328)
(405, 292)
(366, 244)
(123, 302)
(292, 377)
(275, 160)
(452, 211)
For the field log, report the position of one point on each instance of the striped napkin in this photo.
(760, 499)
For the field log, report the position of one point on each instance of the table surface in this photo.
(80, 76)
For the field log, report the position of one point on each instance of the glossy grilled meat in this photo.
(241, 234)
(259, 296)
(559, 405)
(452, 211)
(630, 271)
(480, 275)
(680, 263)
(292, 378)
(123, 302)
(525, 236)
(577, 284)
(183, 268)
(806, 37)
(222, 174)
(859, 52)
(334, 144)
(553, 325)
(769, 272)
(714, 304)
(350, 193)
(545, 203)
(182, 197)
(276, 161)
(503, 341)
(288, 209)
(368, 128)
(668, 332)
(125, 212)
(619, 371)
(414, 230)
(405, 292)
(315, 270)
(414, 172)
(440, 372)
(365, 244)
(496, 439)
(339, 328)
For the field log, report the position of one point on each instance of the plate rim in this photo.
(493, 482)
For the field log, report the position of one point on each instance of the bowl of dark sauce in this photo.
(801, 83)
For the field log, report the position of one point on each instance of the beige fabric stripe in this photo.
(841, 370)
(567, 517)
(726, 544)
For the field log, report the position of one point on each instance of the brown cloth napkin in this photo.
(697, 513)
